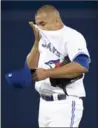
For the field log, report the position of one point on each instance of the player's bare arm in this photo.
(33, 56)
(70, 70)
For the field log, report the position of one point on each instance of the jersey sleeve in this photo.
(76, 46)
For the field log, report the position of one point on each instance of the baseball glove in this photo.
(62, 82)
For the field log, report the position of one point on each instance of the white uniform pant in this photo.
(61, 113)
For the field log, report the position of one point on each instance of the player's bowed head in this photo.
(48, 18)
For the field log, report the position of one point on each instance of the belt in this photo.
(53, 97)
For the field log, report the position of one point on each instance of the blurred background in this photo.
(20, 106)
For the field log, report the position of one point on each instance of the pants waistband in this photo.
(55, 97)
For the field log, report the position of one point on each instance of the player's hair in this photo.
(48, 9)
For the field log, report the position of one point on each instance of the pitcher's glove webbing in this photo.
(62, 82)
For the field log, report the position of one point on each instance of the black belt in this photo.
(58, 97)
(51, 97)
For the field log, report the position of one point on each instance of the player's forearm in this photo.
(67, 71)
(33, 56)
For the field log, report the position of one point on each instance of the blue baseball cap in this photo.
(20, 78)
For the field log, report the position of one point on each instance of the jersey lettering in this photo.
(52, 49)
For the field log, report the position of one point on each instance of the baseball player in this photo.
(60, 60)
(53, 42)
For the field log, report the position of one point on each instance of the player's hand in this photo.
(40, 74)
(36, 31)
